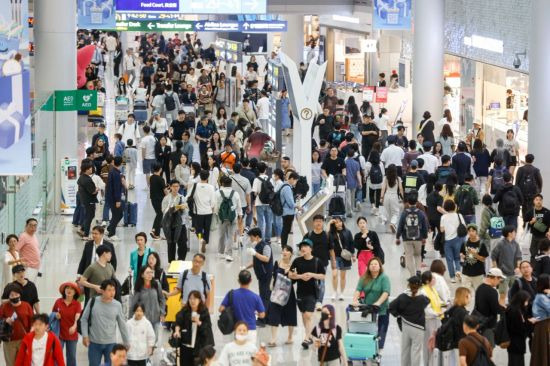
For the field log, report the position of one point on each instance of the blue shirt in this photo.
(287, 200)
(352, 167)
(204, 132)
(119, 148)
(245, 305)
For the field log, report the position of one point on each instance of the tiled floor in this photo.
(64, 251)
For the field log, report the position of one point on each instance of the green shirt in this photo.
(374, 289)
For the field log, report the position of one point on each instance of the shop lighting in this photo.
(343, 18)
(485, 43)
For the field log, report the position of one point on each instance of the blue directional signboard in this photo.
(244, 27)
(194, 6)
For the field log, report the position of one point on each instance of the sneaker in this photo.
(203, 247)
(220, 255)
(341, 297)
(113, 238)
(229, 258)
(335, 296)
(453, 280)
(393, 228)
(306, 343)
(104, 223)
(318, 306)
(458, 276)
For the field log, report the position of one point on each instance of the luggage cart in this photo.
(121, 109)
(337, 203)
(361, 340)
(140, 111)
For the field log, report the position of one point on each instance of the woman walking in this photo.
(328, 339)
(392, 189)
(341, 239)
(148, 292)
(68, 310)
(433, 314)
(450, 222)
(367, 245)
(142, 337)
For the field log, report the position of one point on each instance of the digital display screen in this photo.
(194, 6)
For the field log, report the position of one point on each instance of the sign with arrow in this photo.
(152, 26)
(148, 25)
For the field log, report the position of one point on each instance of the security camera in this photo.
(517, 60)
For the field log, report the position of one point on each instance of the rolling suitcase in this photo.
(140, 115)
(130, 214)
(361, 347)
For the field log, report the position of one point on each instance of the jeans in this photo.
(98, 351)
(278, 225)
(511, 220)
(106, 208)
(70, 351)
(452, 255)
(265, 219)
(469, 219)
(316, 187)
(383, 324)
(287, 228)
(115, 219)
(321, 288)
(79, 212)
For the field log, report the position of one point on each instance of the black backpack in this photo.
(375, 174)
(226, 321)
(169, 101)
(267, 192)
(445, 337)
(510, 202)
(502, 336)
(337, 206)
(465, 202)
(302, 188)
(78, 322)
(203, 279)
(482, 358)
(528, 185)
(277, 204)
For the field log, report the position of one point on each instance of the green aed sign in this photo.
(72, 100)
(152, 25)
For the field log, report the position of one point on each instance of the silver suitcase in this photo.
(357, 323)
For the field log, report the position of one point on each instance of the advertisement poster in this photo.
(368, 94)
(381, 94)
(96, 14)
(392, 14)
(15, 129)
(69, 188)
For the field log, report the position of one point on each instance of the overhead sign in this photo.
(152, 26)
(95, 14)
(392, 14)
(72, 100)
(194, 6)
(264, 26)
(123, 16)
(222, 26)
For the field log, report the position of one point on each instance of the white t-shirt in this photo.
(148, 143)
(129, 131)
(382, 123)
(449, 223)
(39, 350)
(430, 162)
(234, 354)
(263, 108)
(160, 126)
(141, 93)
(392, 155)
(257, 187)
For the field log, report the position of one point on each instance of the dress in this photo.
(282, 315)
(285, 117)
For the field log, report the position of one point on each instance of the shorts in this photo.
(148, 165)
(513, 161)
(306, 304)
(506, 284)
(342, 265)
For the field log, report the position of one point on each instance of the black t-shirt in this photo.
(369, 139)
(29, 293)
(333, 336)
(333, 166)
(178, 129)
(541, 215)
(433, 200)
(321, 246)
(486, 303)
(301, 265)
(473, 267)
(139, 261)
(162, 64)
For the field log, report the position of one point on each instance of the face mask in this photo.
(241, 337)
(15, 300)
(210, 153)
(324, 316)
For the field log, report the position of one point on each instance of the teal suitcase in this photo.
(361, 347)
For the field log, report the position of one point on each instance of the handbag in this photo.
(126, 287)
(6, 331)
(345, 254)
(281, 290)
(191, 201)
(325, 349)
(539, 225)
(461, 230)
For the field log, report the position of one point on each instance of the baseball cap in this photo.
(306, 242)
(18, 268)
(496, 272)
(414, 164)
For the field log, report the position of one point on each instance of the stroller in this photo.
(337, 203)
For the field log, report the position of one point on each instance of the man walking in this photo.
(113, 194)
(88, 197)
(228, 208)
(29, 249)
(413, 228)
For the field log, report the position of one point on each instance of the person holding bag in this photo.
(344, 251)
(327, 337)
(278, 314)
(367, 244)
(172, 222)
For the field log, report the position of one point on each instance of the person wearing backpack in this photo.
(518, 323)
(444, 171)
(375, 176)
(451, 225)
(265, 192)
(171, 103)
(412, 180)
(461, 162)
(288, 204)
(506, 255)
(467, 199)
(353, 182)
(194, 279)
(228, 208)
(413, 228)
(538, 220)
(509, 199)
(451, 332)
(529, 181)
(495, 181)
(474, 349)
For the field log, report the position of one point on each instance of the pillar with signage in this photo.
(304, 100)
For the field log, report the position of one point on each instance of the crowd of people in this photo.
(206, 171)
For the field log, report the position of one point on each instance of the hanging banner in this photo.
(392, 14)
(72, 100)
(368, 94)
(69, 186)
(96, 14)
(381, 94)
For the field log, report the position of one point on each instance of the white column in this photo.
(429, 19)
(55, 66)
(292, 41)
(539, 99)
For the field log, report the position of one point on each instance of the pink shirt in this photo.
(29, 250)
